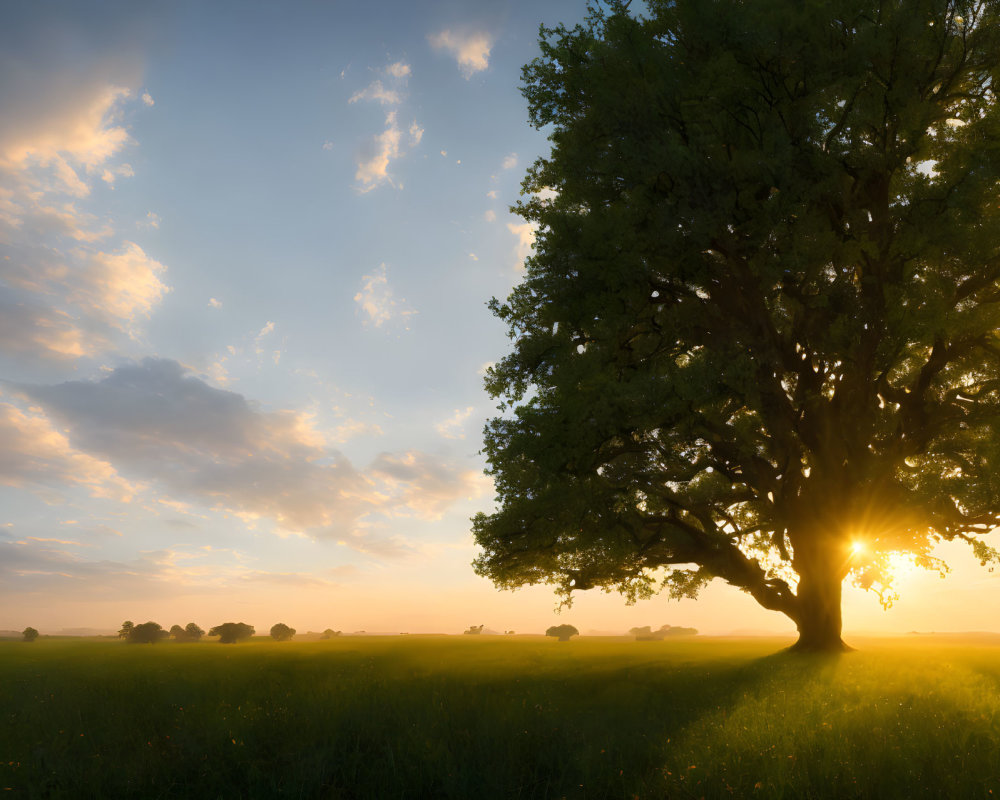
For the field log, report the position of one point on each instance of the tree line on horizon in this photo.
(228, 632)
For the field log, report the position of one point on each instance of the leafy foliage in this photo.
(189, 633)
(29, 634)
(126, 629)
(562, 632)
(281, 632)
(146, 633)
(760, 322)
(232, 632)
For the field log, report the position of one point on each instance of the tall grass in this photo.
(485, 717)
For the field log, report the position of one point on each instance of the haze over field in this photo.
(245, 257)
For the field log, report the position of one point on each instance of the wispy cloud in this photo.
(471, 49)
(378, 303)
(453, 426)
(377, 92)
(509, 162)
(390, 145)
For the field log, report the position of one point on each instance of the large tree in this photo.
(758, 331)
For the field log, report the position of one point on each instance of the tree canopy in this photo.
(562, 632)
(189, 633)
(146, 633)
(29, 634)
(281, 632)
(759, 326)
(232, 632)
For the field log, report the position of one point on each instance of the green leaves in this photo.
(760, 317)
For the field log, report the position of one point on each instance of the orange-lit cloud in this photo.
(157, 423)
(471, 49)
(34, 454)
(378, 303)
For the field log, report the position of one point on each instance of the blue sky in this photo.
(245, 252)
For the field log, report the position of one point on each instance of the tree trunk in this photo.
(818, 614)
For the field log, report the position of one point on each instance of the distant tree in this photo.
(281, 632)
(232, 632)
(677, 630)
(126, 630)
(474, 629)
(647, 634)
(329, 633)
(29, 634)
(189, 633)
(562, 632)
(147, 633)
(193, 632)
(509, 633)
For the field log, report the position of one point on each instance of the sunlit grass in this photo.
(498, 717)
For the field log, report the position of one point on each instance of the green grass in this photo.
(492, 717)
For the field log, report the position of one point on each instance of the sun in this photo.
(857, 547)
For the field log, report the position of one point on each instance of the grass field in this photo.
(492, 717)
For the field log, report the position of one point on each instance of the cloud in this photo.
(212, 302)
(509, 162)
(525, 233)
(490, 215)
(118, 286)
(451, 428)
(376, 91)
(34, 454)
(61, 134)
(30, 331)
(152, 221)
(377, 154)
(373, 164)
(492, 194)
(156, 423)
(110, 175)
(377, 301)
(471, 49)
(328, 145)
(427, 486)
(147, 99)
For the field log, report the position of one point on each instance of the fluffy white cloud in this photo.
(377, 301)
(510, 161)
(213, 303)
(471, 49)
(147, 99)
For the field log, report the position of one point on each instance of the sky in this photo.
(245, 255)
